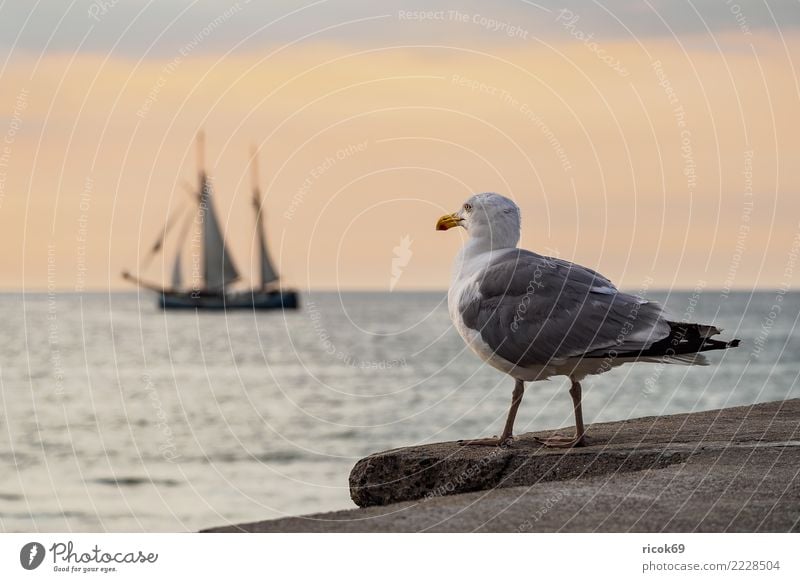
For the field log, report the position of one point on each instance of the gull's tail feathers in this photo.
(682, 345)
(686, 340)
(695, 359)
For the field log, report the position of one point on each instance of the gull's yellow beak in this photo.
(448, 221)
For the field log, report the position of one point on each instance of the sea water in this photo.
(117, 416)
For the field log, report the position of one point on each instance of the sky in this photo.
(654, 141)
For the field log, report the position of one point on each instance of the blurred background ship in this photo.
(212, 289)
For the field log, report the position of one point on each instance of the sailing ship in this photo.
(212, 289)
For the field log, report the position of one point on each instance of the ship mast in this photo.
(267, 272)
(219, 270)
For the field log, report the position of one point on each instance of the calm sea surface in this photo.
(117, 416)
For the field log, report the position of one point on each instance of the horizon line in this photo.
(116, 291)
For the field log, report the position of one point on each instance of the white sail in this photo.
(177, 278)
(218, 268)
(266, 269)
(268, 272)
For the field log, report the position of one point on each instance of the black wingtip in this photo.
(733, 343)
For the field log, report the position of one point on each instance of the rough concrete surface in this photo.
(725, 470)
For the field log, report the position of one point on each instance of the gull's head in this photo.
(488, 217)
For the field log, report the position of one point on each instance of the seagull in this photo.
(535, 317)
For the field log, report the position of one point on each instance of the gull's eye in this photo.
(468, 207)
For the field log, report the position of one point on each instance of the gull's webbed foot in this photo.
(562, 442)
(488, 442)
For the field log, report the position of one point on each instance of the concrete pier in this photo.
(736, 469)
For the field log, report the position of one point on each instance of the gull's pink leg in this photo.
(508, 430)
(579, 440)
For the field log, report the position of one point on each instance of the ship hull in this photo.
(253, 299)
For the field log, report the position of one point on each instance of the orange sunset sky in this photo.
(655, 141)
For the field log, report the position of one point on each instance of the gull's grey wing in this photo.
(532, 309)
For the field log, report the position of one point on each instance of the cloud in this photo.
(597, 160)
(147, 29)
